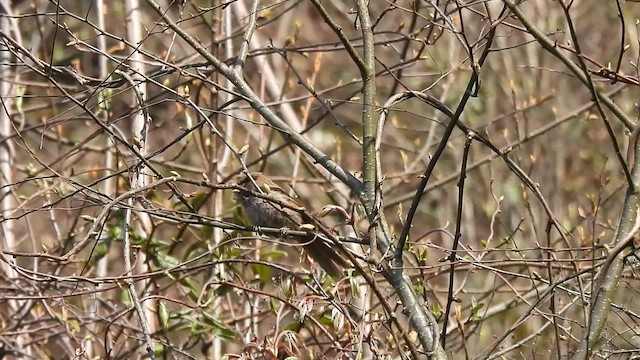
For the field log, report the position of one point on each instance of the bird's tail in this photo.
(325, 256)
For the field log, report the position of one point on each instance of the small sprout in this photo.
(328, 209)
(87, 218)
(308, 227)
(337, 318)
(137, 141)
(243, 149)
(325, 211)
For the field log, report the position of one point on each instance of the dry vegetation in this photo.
(123, 126)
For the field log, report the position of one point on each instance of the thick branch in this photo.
(245, 90)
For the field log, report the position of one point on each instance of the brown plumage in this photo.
(263, 212)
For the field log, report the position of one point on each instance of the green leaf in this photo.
(274, 254)
(221, 330)
(199, 199)
(223, 289)
(475, 309)
(163, 315)
(166, 261)
(159, 351)
(436, 310)
(100, 250)
(272, 306)
(262, 272)
(206, 231)
(293, 326)
(125, 298)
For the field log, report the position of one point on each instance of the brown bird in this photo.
(267, 213)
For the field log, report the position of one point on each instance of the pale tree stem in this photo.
(139, 131)
(8, 202)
